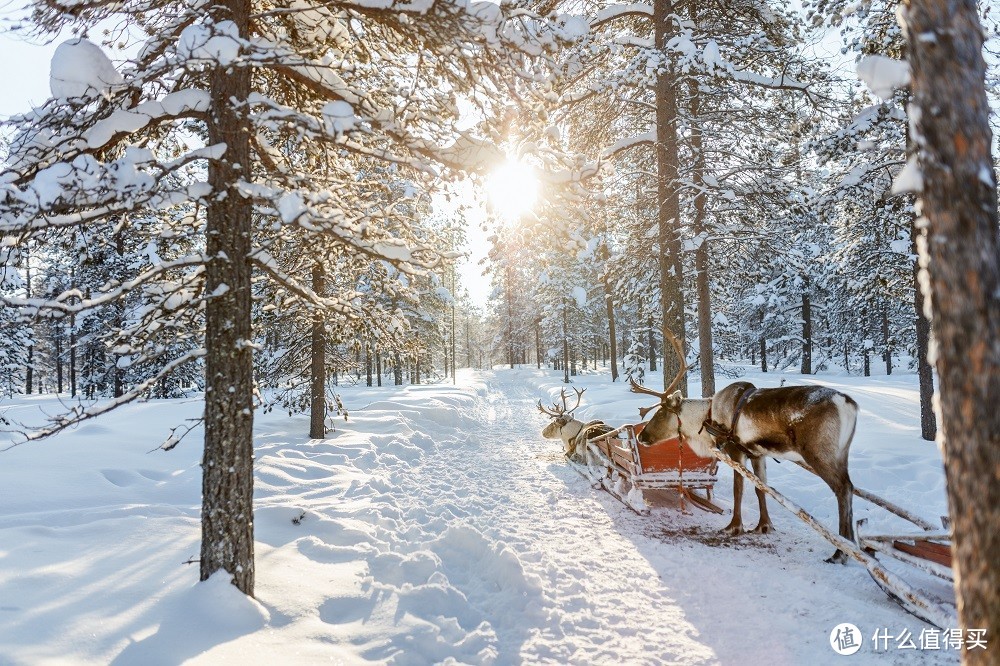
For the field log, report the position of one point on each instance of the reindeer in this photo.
(567, 428)
(811, 425)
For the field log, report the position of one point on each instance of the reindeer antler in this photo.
(547, 412)
(556, 411)
(662, 395)
(639, 388)
(579, 396)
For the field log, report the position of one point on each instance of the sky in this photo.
(25, 74)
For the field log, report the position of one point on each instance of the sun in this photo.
(512, 190)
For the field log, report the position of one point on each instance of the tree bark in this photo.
(29, 371)
(961, 257)
(886, 349)
(706, 354)
(925, 374)
(668, 197)
(565, 343)
(58, 354)
(227, 464)
(806, 335)
(72, 355)
(368, 364)
(317, 368)
(763, 354)
(650, 332)
(72, 339)
(538, 343)
(609, 307)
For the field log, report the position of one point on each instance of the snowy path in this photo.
(518, 491)
(488, 547)
(435, 526)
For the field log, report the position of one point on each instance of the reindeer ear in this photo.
(673, 401)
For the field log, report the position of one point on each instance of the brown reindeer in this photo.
(811, 425)
(564, 426)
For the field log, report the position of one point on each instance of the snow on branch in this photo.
(614, 12)
(61, 305)
(627, 143)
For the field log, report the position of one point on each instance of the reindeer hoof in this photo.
(840, 557)
(732, 529)
(763, 528)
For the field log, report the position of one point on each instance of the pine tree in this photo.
(107, 147)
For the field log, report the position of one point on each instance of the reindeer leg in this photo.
(839, 480)
(735, 525)
(845, 509)
(764, 524)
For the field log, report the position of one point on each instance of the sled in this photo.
(619, 464)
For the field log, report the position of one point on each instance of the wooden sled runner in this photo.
(624, 468)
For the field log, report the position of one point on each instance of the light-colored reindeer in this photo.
(564, 426)
(811, 425)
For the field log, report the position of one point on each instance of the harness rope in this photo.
(721, 433)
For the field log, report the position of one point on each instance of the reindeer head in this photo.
(563, 425)
(665, 423)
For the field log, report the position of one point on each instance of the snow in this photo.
(573, 27)
(217, 43)
(80, 68)
(712, 57)
(883, 75)
(338, 117)
(435, 525)
(909, 179)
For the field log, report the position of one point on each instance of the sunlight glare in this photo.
(512, 189)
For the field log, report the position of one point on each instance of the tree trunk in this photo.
(609, 307)
(118, 374)
(705, 351)
(454, 350)
(397, 370)
(962, 260)
(565, 344)
(807, 344)
(72, 355)
(886, 349)
(538, 344)
(650, 330)
(925, 375)
(72, 340)
(468, 346)
(58, 354)
(368, 364)
(668, 197)
(227, 465)
(317, 389)
(29, 371)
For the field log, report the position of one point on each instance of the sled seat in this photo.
(667, 464)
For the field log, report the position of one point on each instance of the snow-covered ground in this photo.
(436, 525)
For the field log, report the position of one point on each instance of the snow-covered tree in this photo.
(230, 90)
